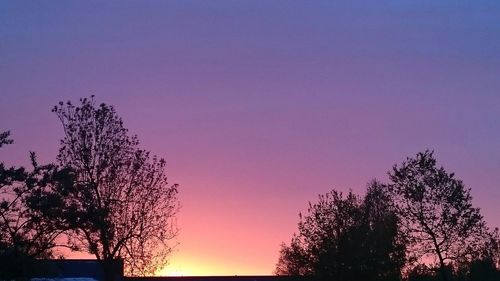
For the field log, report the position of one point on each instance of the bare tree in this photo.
(436, 213)
(118, 203)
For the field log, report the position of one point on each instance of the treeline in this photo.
(420, 226)
(104, 196)
(108, 197)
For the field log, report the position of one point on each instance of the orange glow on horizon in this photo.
(189, 266)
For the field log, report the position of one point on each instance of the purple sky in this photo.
(259, 106)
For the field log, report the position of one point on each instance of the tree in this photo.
(346, 238)
(117, 203)
(421, 272)
(319, 247)
(4, 138)
(436, 212)
(384, 250)
(24, 234)
(483, 270)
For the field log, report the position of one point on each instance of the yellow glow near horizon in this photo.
(187, 269)
(184, 266)
(176, 271)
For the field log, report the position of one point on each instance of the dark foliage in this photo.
(114, 200)
(4, 138)
(437, 215)
(423, 215)
(24, 235)
(477, 270)
(483, 270)
(346, 238)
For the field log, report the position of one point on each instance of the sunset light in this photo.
(200, 266)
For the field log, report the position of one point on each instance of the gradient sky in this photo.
(259, 106)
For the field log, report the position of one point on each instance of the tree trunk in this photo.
(108, 270)
(442, 267)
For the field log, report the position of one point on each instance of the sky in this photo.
(259, 106)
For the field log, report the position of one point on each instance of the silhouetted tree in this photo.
(421, 272)
(484, 267)
(436, 212)
(24, 235)
(346, 238)
(117, 203)
(384, 250)
(319, 246)
(483, 270)
(4, 138)
(491, 250)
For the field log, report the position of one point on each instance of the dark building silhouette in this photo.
(77, 268)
